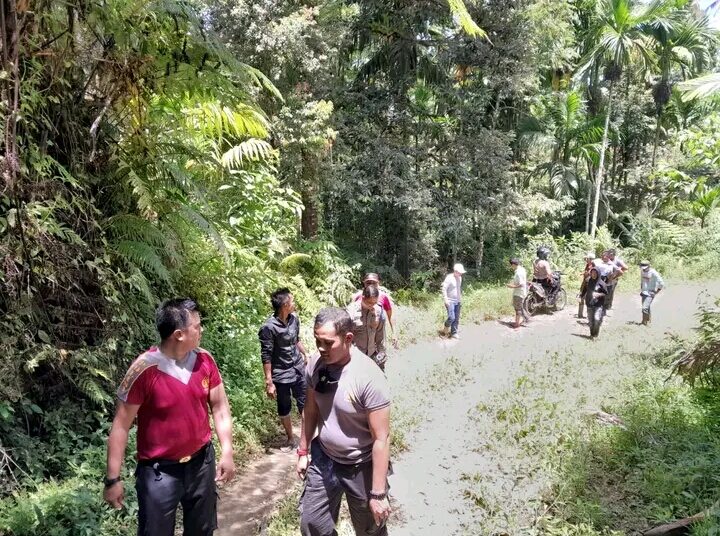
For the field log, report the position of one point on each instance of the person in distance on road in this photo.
(595, 293)
(589, 256)
(452, 297)
(373, 279)
(519, 286)
(619, 270)
(651, 283)
(368, 330)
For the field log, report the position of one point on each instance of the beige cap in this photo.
(459, 268)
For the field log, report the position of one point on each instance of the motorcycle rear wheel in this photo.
(531, 304)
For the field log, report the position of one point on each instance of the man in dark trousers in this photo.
(169, 388)
(283, 359)
(348, 404)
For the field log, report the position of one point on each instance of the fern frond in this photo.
(249, 150)
(143, 256)
(193, 217)
(136, 229)
(295, 263)
(219, 121)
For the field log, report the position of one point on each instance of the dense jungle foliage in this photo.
(221, 148)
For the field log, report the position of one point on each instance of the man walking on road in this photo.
(283, 359)
(368, 330)
(589, 256)
(519, 286)
(452, 297)
(651, 283)
(619, 269)
(169, 389)
(348, 404)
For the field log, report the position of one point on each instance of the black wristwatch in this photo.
(111, 481)
(378, 496)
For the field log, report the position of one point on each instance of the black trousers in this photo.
(162, 487)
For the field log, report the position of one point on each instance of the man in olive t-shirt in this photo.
(348, 403)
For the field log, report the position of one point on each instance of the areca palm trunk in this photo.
(601, 164)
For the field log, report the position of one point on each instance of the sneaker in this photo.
(454, 336)
(445, 331)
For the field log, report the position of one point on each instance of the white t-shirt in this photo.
(605, 269)
(452, 288)
(520, 278)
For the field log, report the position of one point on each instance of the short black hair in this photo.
(339, 317)
(371, 291)
(515, 260)
(174, 314)
(279, 298)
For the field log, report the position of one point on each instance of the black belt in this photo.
(184, 459)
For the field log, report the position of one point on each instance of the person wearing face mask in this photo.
(595, 293)
(651, 283)
(348, 407)
(369, 325)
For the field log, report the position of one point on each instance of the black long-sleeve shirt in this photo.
(278, 346)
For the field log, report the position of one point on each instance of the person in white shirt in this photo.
(519, 286)
(452, 296)
(619, 269)
(651, 283)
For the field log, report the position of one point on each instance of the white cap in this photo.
(459, 268)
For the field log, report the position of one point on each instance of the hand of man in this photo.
(115, 495)
(395, 343)
(225, 470)
(380, 510)
(301, 467)
(270, 390)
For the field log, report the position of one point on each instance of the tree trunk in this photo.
(655, 142)
(601, 164)
(308, 194)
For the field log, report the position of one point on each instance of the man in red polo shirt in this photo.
(169, 389)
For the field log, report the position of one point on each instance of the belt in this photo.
(184, 459)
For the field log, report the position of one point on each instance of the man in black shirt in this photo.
(283, 357)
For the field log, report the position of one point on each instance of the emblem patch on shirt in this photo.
(206, 383)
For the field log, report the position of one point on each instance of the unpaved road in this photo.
(437, 383)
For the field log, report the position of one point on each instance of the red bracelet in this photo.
(302, 452)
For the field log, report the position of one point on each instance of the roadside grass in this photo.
(591, 446)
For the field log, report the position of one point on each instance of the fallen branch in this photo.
(676, 528)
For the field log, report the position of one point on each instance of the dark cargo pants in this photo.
(162, 487)
(325, 483)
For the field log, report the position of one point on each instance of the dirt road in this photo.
(437, 386)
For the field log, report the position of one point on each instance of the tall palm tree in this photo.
(685, 46)
(621, 42)
(572, 141)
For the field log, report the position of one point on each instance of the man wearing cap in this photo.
(169, 389)
(651, 283)
(452, 297)
(589, 256)
(373, 279)
(519, 286)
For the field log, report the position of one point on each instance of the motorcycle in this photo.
(538, 298)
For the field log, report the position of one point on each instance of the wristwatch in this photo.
(378, 496)
(111, 481)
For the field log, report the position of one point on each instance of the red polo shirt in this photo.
(173, 420)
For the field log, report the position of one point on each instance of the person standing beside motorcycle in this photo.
(651, 283)
(519, 286)
(589, 256)
(595, 293)
(543, 273)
